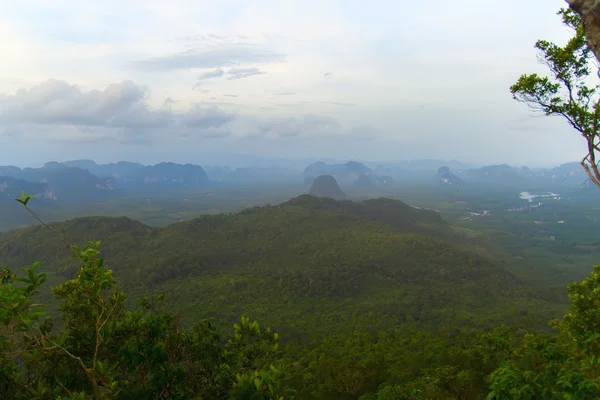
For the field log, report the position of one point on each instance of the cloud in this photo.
(285, 105)
(213, 36)
(285, 93)
(58, 102)
(204, 118)
(120, 111)
(216, 73)
(198, 88)
(328, 74)
(338, 103)
(241, 73)
(306, 125)
(63, 112)
(220, 55)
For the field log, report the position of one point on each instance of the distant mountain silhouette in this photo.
(569, 173)
(62, 183)
(364, 182)
(74, 181)
(495, 174)
(115, 170)
(138, 178)
(326, 186)
(447, 178)
(11, 188)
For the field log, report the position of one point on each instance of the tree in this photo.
(567, 93)
(589, 11)
(562, 366)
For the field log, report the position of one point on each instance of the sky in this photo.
(207, 81)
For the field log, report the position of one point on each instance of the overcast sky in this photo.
(198, 81)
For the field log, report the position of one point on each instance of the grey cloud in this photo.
(58, 102)
(168, 102)
(59, 112)
(208, 133)
(203, 118)
(240, 73)
(222, 55)
(298, 126)
(216, 73)
(230, 95)
(136, 140)
(328, 74)
(221, 103)
(119, 111)
(285, 93)
(337, 103)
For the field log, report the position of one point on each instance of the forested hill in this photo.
(306, 265)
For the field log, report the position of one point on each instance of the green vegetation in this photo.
(384, 313)
(374, 300)
(156, 210)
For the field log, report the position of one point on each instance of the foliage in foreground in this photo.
(103, 351)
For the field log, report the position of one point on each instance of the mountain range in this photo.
(85, 180)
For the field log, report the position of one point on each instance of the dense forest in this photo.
(373, 300)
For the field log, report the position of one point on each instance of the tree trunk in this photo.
(589, 10)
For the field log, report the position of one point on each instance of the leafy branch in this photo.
(567, 93)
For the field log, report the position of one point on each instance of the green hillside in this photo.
(373, 299)
(309, 266)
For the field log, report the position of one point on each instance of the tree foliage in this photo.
(561, 366)
(569, 92)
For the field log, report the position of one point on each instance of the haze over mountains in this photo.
(84, 180)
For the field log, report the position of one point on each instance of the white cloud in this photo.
(223, 55)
